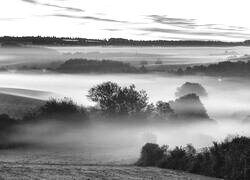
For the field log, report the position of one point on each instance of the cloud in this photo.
(191, 28)
(94, 18)
(64, 7)
(30, 1)
(191, 23)
(10, 19)
(180, 22)
(35, 2)
(112, 29)
(228, 34)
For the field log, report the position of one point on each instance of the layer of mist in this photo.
(227, 103)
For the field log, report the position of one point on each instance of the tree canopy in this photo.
(115, 99)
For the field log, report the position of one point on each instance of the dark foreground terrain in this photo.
(62, 171)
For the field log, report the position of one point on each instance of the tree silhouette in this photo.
(114, 99)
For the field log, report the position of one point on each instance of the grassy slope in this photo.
(58, 164)
(16, 106)
(109, 172)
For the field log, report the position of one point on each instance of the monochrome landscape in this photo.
(158, 97)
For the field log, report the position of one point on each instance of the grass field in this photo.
(89, 172)
(16, 106)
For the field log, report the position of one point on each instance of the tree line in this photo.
(226, 68)
(75, 41)
(229, 159)
(97, 66)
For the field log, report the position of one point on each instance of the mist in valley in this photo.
(227, 104)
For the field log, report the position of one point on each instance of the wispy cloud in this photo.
(10, 19)
(180, 22)
(64, 7)
(112, 29)
(30, 1)
(196, 33)
(94, 18)
(35, 2)
(192, 28)
(190, 23)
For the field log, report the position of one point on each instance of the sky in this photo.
(225, 20)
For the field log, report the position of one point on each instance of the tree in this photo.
(114, 99)
(189, 107)
(190, 88)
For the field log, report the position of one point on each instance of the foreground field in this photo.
(61, 171)
(20, 164)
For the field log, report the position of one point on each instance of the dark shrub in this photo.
(164, 110)
(176, 159)
(62, 110)
(151, 155)
(6, 128)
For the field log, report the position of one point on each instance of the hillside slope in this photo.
(16, 106)
(60, 171)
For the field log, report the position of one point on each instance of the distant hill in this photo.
(68, 41)
(97, 66)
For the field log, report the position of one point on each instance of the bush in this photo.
(176, 159)
(62, 110)
(6, 129)
(151, 155)
(55, 106)
(164, 110)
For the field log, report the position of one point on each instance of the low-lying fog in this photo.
(228, 100)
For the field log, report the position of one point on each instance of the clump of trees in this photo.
(226, 68)
(114, 102)
(189, 107)
(229, 159)
(191, 88)
(114, 99)
(99, 66)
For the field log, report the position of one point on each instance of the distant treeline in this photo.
(226, 68)
(229, 160)
(97, 66)
(69, 41)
